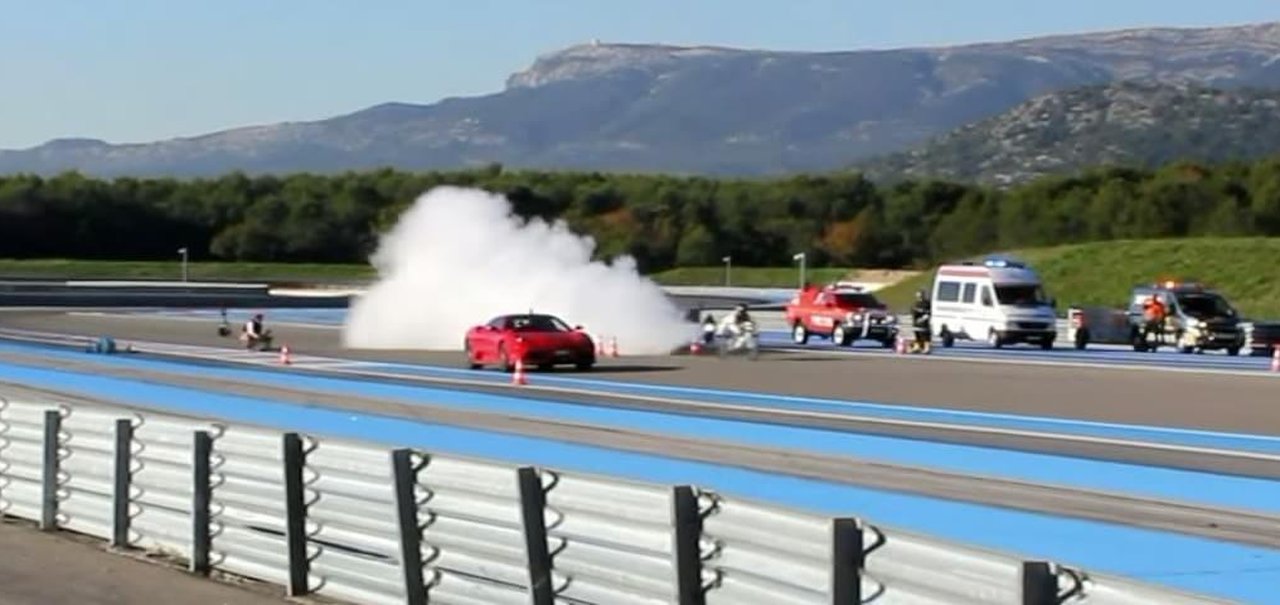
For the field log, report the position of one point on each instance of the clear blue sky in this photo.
(140, 70)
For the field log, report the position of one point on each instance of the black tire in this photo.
(1233, 351)
(546, 367)
(841, 337)
(584, 366)
(1082, 340)
(948, 339)
(993, 339)
(504, 362)
(1046, 344)
(889, 342)
(799, 334)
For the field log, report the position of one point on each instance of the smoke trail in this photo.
(459, 257)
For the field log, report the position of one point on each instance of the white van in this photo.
(999, 301)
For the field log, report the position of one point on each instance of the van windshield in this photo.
(1021, 295)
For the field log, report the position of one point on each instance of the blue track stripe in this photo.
(1190, 486)
(1226, 570)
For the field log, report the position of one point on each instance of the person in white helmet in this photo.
(253, 331)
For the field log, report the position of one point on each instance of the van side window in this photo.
(969, 291)
(948, 291)
(986, 297)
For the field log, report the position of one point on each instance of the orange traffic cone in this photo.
(613, 346)
(284, 356)
(518, 378)
(1275, 358)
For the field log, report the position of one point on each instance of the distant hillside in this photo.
(1141, 125)
(697, 109)
(1242, 269)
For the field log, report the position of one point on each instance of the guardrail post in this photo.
(533, 503)
(49, 476)
(415, 589)
(847, 559)
(1039, 583)
(686, 522)
(120, 518)
(201, 496)
(296, 515)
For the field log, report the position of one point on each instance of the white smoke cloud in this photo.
(459, 257)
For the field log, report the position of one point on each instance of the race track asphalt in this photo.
(1237, 403)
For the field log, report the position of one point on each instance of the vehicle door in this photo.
(820, 314)
(988, 309)
(490, 338)
(975, 319)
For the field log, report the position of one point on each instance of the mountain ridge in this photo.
(697, 109)
(1133, 124)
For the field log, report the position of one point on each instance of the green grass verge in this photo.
(172, 270)
(1245, 270)
(746, 277)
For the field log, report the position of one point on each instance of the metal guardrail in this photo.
(359, 523)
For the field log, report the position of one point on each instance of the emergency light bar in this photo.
(1003, 263)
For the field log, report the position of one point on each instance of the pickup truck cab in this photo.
(843, 314)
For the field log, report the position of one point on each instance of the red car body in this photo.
(539, 340)
(841, 314)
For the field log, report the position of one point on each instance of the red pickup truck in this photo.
(843, 314)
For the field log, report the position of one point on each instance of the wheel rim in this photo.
(798, 333)
(838, 335)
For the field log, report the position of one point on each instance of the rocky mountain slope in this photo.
(703, 110)
(1129, 124)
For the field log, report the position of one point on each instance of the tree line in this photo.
(840, 219)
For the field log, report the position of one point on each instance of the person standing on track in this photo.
(1153, 315)
(920, 314)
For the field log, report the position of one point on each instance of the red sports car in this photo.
(543, 340)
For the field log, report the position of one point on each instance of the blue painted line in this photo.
(1187, 437)
(1211, 567)
(1208, 361)
(779, 339)
(1163, 483)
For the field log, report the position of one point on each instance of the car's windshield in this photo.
(1205, 305)
(1021, 295)
(537, 323)
(850, 300)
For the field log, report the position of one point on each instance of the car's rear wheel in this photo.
(584, 366)
(471, 357)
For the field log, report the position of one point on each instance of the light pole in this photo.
(183, 252)
(728, 267)
(800, 256)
